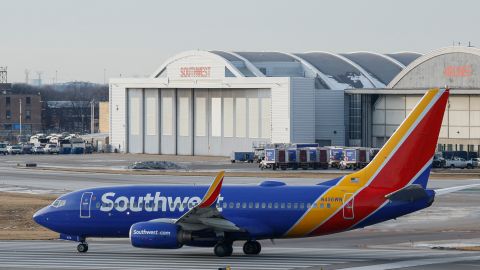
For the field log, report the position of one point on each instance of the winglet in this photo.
(213, 192)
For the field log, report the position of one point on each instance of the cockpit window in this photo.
(59, 203)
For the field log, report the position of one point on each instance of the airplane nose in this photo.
(40, 216)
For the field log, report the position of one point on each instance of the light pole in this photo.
(20, 101)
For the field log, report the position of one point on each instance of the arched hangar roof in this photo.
(454, 67)
(332, 71)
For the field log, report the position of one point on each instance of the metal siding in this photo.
(118, 123)
(303, 110)
(152, 140)
(281, 113)
(330, 116)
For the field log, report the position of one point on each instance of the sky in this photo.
(85, 40)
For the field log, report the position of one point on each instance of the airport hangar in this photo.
(216, 102)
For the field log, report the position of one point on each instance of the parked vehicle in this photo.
(438, 162)
(242, 156)
(475, 162)
(14, 149)
(27, 148)
(38, 150)
(3, 148)
(51, 149)
(457, 162)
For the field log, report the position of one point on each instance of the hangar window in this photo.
(200, 116)
(241, 117)
(183, 117)
(228, 117)
(167, 116)
(253, 117)
(216, 117)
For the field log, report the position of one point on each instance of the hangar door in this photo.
(135, 120)
(168, 138)
(184, 122)
(151, 118)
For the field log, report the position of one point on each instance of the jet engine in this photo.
(157, 235)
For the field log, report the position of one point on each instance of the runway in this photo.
(115, 255)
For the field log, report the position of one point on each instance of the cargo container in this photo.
(322, 158)
(355, 158)
(335, 156)
(242, 156)
(292, 158)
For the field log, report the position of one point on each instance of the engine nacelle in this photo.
(156, 235)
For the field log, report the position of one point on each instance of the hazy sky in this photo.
(80, 39)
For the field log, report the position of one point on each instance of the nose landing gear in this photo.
(82, 247)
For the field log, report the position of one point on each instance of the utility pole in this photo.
(92, 116)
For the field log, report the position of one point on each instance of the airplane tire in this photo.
(223, 249)
(82, 248)
(252, 248)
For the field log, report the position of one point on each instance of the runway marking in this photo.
(412, 263)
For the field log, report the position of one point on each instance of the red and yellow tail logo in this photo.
(404, 156)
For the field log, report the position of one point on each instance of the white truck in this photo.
(457, 162)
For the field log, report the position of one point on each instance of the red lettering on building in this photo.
(458, 71)
(195, 72)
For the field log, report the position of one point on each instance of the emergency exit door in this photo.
(348, 209)
(85, 203)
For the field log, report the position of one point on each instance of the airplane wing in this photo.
(444, 191)
(205, 215)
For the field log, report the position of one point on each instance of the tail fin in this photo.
(407, 156)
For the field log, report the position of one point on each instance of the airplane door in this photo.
(85, 203)
(348, 208)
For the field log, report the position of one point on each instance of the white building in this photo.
(215, 102)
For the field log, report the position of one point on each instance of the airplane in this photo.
(393, 184)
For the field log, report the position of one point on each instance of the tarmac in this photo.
(114, 255)
(421, 240)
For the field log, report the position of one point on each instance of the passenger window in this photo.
(321, 205)
(289, 205)
(98, 205)
(231, 205)
(302, 205)
(244, 205)
(250, 205)
(275, 205)
(295, 205)
(328, 205)
(282, 205)
(269, 205)
(309, 205)
(115, 205)
(257, 205)
(237, 205)
(224, 205)
(264, 205)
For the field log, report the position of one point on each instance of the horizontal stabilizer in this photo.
(410, 193)
(443, 191)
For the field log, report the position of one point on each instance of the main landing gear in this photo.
(252, 248)
(82, 247)
(224, 249)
